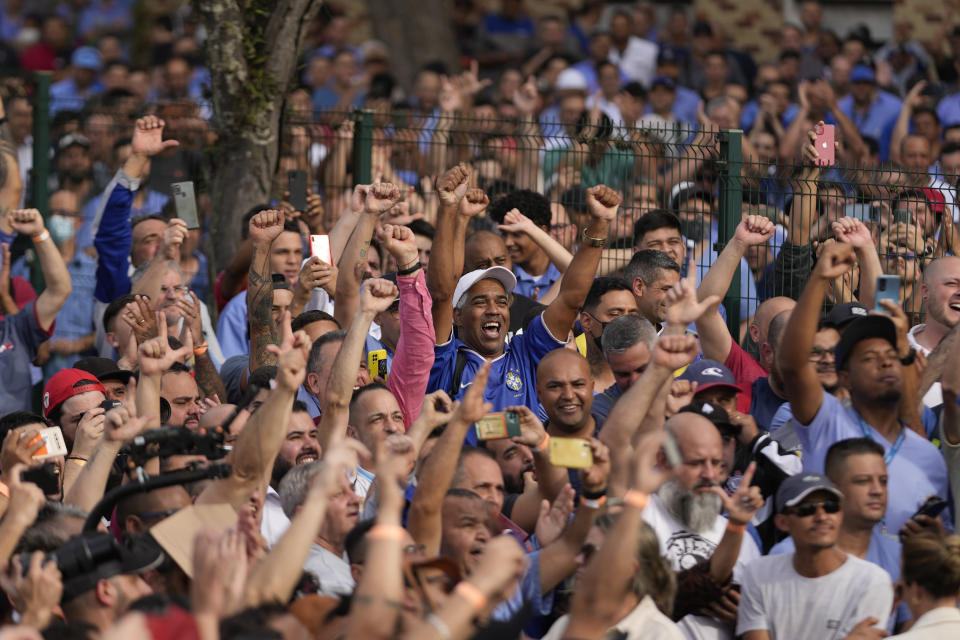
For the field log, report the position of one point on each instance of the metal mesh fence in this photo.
(709, 179)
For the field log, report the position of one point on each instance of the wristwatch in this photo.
(590, 241)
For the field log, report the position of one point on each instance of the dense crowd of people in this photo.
(506, 401)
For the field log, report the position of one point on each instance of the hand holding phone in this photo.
(297, 186)
(825, 144)
(320, 247)
(888, 288)
(185, 201)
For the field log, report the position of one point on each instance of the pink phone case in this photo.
(825, 144)
(320, 247)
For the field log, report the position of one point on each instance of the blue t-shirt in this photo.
(765, 403)
(232, 327)
(603, 402)
(513, 376)
(20, 337)
(535, 286)
(917, 470)
(529, 593)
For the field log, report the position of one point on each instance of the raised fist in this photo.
(381, 197)
(602, 202)
(452, 185)
(474, 203)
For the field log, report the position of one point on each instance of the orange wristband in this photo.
(546, 443)
(636, 499)
(200, 349)
(472, 595)
(736, 528)
(385, 532)
(41, 238)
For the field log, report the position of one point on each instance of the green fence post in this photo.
(731, 200)
(40, 173)
(362, 146)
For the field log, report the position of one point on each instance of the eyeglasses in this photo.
(807, 509)
(818, 353)
(177, 289)
(893, 255)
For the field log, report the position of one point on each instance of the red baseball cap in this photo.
(67, 383)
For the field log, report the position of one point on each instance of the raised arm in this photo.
(669, 354)
(516, 222)
(276, 576)
(264, 229)
(373, 200)
(803, 213)
(857, 235)
(602, 205)
(446, 260)
(374, 610)
(425, 518)
(414, 355)
(258, 444)
(11, 189)
(596, 603)
(950, 384)
(558, 560)
(29, 222)
(714, 337)
(901, 129)
(377, 295)
(800, 376)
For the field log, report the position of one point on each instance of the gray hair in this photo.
(647, 264)
(296, 484)
(316, 360)
(626, 331)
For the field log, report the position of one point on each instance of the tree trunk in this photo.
(415, 32)
(252, 57)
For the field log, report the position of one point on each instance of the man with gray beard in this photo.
(686, 515)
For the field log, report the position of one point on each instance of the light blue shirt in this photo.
(877, 122)
(232, 327)
(916, 471)
(535, 286)
(949, 110)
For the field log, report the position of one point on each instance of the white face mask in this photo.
(61, 228)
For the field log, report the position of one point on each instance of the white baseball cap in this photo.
(501, 274)
(570, 80)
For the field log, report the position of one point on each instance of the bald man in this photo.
(565, 389)
(685, 510)
(486, 249)
(941, 298)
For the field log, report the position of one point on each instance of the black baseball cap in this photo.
(845, 313)
(104, 369)
(85, 560)
(715, 414)
(876, 326)
(799, 486)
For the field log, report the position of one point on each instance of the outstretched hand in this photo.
(148, 137)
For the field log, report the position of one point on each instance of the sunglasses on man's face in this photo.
(807, 509)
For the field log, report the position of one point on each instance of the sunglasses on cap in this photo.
(807, 509)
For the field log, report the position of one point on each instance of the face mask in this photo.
(61, 228)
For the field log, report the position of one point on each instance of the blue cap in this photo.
(86, 58)
(862, 73)
(664, 81)
(799, 486)
(708, 374)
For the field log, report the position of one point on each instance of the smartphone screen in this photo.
(186, 203)
(320, 247)
(297, 186)
(888, 288)
(825, 144)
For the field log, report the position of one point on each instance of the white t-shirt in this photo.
(685, 548)
(775, 598)
(645, 622)
(331, 570)
(934, 395)
(274, 522)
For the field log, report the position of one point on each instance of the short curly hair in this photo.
(529, 203)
